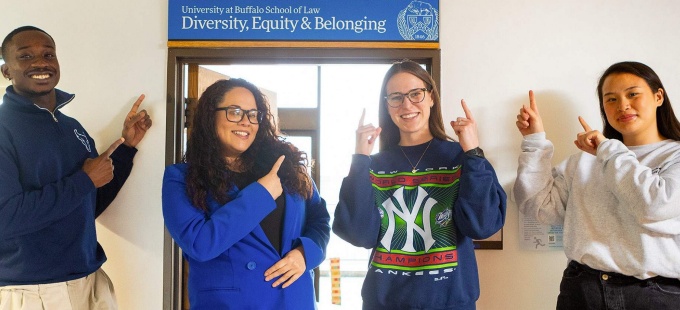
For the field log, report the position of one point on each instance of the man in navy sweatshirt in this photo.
(53, 184)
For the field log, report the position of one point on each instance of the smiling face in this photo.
(236, 137)
(31, 63)
(412, 119)
(630, 106)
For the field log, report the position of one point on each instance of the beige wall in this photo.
(110, 52)
(3, 81)
(3, 84)
(493, 52)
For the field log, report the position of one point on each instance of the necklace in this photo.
(421, 157)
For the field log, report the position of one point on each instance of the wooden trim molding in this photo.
(301, 44)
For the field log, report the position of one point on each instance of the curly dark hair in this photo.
(390, 135)
(208, 175)
(667, 122)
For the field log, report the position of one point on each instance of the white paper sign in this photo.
(535, 236)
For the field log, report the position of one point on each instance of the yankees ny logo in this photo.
(409, 217)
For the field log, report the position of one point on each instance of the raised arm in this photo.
(466, 129)
(357, 220)
(366, 136)
(481, 204)
(203, 236)
(539, 190)
(589, 139)
(136, 124)
(529, 119)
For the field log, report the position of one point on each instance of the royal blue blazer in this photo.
(228, 252)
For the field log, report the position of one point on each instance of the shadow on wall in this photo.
(121, 215)
(560, 120)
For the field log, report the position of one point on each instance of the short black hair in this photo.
(14, 32)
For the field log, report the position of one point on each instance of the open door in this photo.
(329, 88)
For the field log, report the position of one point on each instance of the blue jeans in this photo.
(584, 288)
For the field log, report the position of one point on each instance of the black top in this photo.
(272, 224)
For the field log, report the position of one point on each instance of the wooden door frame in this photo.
(178, 57)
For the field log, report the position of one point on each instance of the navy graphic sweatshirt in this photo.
(420, 226)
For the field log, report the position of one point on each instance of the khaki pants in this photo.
(93, 292)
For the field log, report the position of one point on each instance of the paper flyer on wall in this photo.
(535, 236)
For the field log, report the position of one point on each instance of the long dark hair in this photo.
(208, 175)
(390, 132)
(666, 121)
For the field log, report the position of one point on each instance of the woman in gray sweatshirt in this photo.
(618, 200)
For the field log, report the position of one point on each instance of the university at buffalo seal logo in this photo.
(419, 21)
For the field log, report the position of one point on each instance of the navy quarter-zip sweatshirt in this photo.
(48, 204)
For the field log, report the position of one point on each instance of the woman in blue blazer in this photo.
(243, 208)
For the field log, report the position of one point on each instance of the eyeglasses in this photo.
(416, 95)
(235, 114)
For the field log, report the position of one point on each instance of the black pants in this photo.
(584, 288)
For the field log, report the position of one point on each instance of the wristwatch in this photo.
(476, 152)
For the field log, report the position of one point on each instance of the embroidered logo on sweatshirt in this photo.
(83, 139)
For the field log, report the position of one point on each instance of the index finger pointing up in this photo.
(137, 103)
(584, 124)
(113, 147)
(468, 113)
(277, 164)
(361, 120)
(532, 101)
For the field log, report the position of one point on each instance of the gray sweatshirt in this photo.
(620, 210)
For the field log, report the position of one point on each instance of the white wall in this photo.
(110, 52)
(3, 81)
(493, 52)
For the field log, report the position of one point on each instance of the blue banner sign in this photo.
(304, 20)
